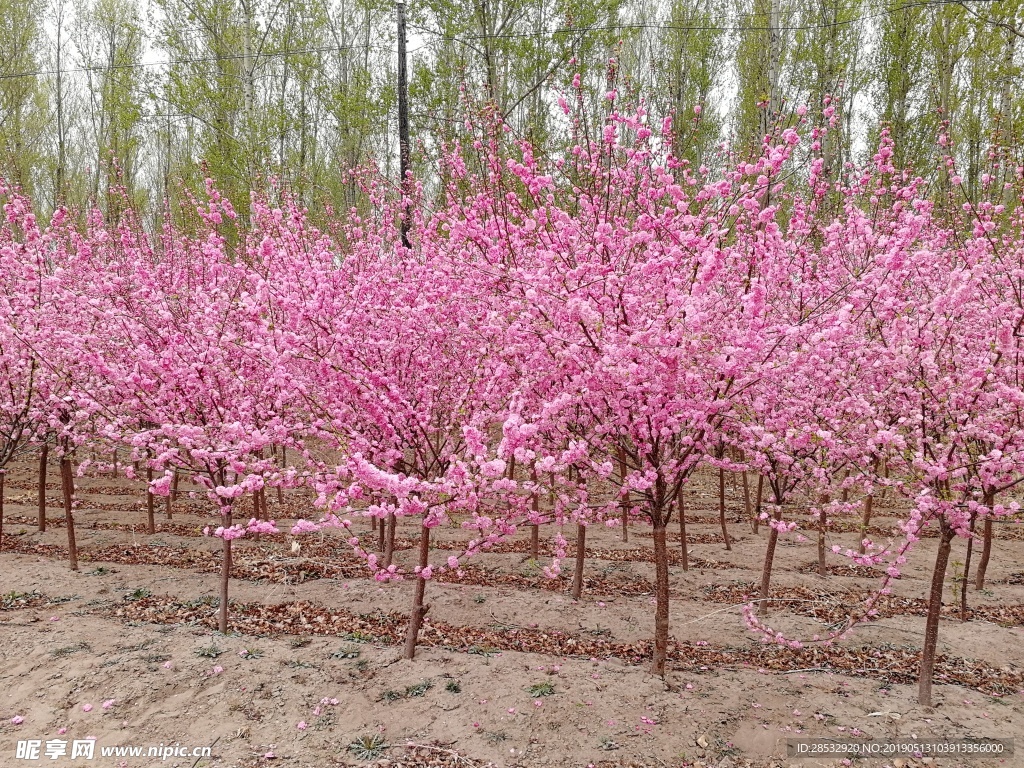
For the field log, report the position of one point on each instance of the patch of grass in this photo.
(13, 600)
(138, 594)
(251, 654)
(64, 599)
(496, 737)
(480, 599)
(346, 652)
(362, 665)
(608, 744)
(67, 650)
(368, 747)
(542, 689)
(453, 686)
(297, 664)
(391, 695)
(357, 637)
(210, 651)
(299, 642)
(479, 650)
(100, 570)
(419, 689)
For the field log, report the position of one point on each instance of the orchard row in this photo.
(546, 340)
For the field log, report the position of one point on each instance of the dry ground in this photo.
(134, 626)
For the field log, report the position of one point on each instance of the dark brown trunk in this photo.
(581, 553)
(757, 502)
(115, 463)
(822, 525)
(684, 547)
(380, 535)
(721, 508)
(766, 572)
(624, 504)
(419, 610)
(986, 553)
(746, 495)
(169, 501)
(225, 577)
(535, 529)
(67, 483)
(869, 503)
(389, 544)
(280, 488)
(967, 569)
(661, 606)
(150, 502)
(41, 514)
(2, 475)
(931, 631)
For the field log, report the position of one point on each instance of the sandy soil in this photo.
(303, 683)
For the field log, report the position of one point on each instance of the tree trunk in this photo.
(822, 524)
(931, 632)
(115, 463)
(757, 502)
(684, 546)
(380, 535)
(3, 473)
(172, 492)
(661, 608)
(419, 610)
(225, 577)
(581, 553)
(766, 572)
(150, 502)
(869, 503)
(721, 508)
(535, 529)
(624, 504)
(967, 569)
(41, 515)
(986, 553)
(389, 544)
(746, 495)
(67, 483)
(280, 488)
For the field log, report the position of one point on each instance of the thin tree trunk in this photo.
(380, 535)
(986, 553)
(115, 463)
(419, 610)
(68, 487)
(168, 502)
(766, 572)
(3, 473)
(869, 503)
(661, 607)
(225, 577)
(624, 504)
(822, 524)
(389, 544)
(757, 502)
(721, 508)
(746, 495)
(581, 553)
(986, 548)
(41, 515)
(150, 502)
(931, 631)
(967, 569)
(534, 528)
(684, 546)
(280, 487)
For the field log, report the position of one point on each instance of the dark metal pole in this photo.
(403, 124)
